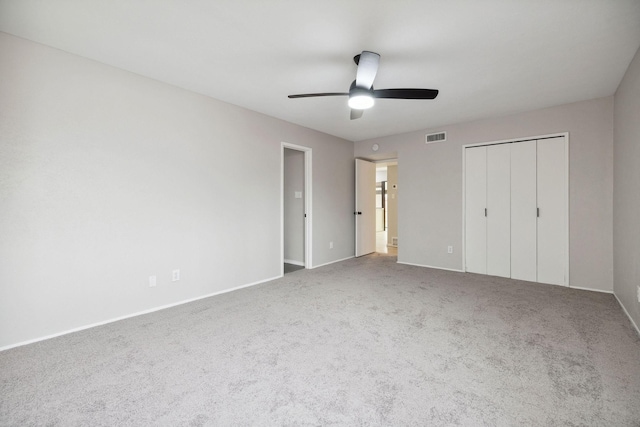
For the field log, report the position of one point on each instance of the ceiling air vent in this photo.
(436, 137)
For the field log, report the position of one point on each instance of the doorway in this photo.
(376, 205)
(295, 196)
(387, 207)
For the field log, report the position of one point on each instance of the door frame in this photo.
(308, 197)
(566, 188)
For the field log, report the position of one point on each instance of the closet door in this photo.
(551, 202)
(498, 210)
(523, 211)
(475, 204)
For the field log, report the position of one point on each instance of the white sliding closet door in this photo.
(523, 211)
(498, 210)
(552, 204)
(475, 204)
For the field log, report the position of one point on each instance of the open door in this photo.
(365, 212)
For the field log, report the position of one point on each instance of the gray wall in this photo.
(430, 181)
(293, 208)
(626, 191)
(107, 177)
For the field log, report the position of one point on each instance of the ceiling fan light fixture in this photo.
(361, 101)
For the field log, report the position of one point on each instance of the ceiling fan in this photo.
(362, 95)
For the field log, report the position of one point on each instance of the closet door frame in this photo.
(566, 189)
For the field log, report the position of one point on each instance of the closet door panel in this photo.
(523, 211)
(475, 204)
(551, 202)
(498, 210)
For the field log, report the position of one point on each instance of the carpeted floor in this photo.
(361, 342)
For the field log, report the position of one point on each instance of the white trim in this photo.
(566, 209)
(308, 203)
(333, 262)
(521, 139)
(383, 161)
(590, 289)
(290, 261)
(431, 266)
(627, 313)
(139, 313)
(464, 209)
(566, 186)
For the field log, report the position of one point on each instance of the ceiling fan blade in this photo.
(367, 69)
(406, 93)
(356, 114)
(311, 95)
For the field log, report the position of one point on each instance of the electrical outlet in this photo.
(330, 245)
(152, 281)
(449, 249)
(175, 275)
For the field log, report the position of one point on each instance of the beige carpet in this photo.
(362, 342)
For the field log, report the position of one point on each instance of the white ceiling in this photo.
(487, 57)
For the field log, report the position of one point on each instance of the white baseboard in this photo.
(333, 262)
(139, 313)
(431, 266)
(290, 261)
(627, 313)
(590, 289)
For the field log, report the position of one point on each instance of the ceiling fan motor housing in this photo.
(355, 90)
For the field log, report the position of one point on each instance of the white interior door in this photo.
(475, 205)
(365, 212)
(523, 211)
(551, 202)
(499, 210)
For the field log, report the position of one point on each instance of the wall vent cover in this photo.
(436, 137)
